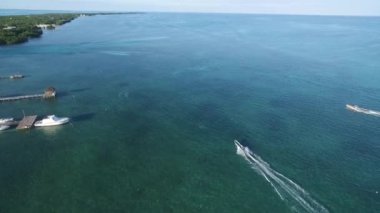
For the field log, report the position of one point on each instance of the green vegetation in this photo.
(18, 29)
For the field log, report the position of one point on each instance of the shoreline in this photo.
(18, 29)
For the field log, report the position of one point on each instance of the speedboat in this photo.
(355, 108)
(16, 76)
(52, 120)
(5, 120)
(238, 145)
(4, 127)
(242, 150)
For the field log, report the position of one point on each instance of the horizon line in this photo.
(195, 12)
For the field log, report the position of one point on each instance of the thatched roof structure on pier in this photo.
(50, 92)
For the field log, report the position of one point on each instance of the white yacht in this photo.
(5, 120)
(52, 120)
(4, 127)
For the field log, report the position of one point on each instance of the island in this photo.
(20, 28)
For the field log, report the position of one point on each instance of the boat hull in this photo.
(4, 127)
(238, 145)
(352, 108)
(6, 120)
(57, 123)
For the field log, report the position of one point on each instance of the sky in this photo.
(308, 7)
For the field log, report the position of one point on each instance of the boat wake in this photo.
(356, 108)
(286, 189)
(118, 53)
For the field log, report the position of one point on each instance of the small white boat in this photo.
(16, 76)
(242, 150)
(52, 120)
(4, 127)
(356, 108)
(5, 120)
(238, 145)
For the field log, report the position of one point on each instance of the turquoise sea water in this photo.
(156, 101)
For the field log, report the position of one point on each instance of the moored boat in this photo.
(52, 120)
(4, 127)
(5, 120)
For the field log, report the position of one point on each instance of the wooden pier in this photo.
(22, 97)
(27, 122)
(49, 93)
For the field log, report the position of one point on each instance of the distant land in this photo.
(18, 29)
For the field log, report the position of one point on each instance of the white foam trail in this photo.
(118, 53)
(286, 189)
(153, 38)
(363, 110)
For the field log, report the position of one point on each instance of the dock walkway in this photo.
(22, 97)
(27, 122)
(48, 94)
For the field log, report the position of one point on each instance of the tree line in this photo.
(18, 29)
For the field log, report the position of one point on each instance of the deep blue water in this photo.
(156, 101)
